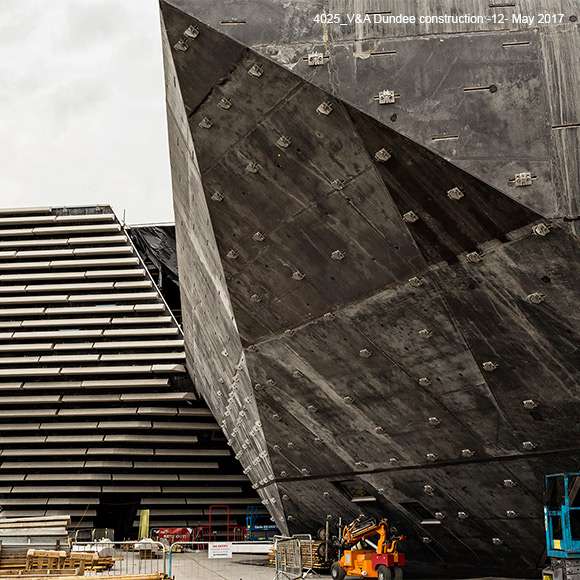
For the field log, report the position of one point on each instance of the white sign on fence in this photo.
(219, 550)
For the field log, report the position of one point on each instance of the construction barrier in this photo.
(218, 560)
(127, 558)
(141, 560)
(288, 558)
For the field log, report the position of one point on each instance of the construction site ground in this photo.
(198, 567)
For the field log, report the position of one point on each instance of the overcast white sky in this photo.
(82, 113)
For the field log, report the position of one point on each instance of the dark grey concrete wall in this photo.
(399, 333)
(530, 124)
(215, 360)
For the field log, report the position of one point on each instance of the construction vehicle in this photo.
(383, 561)
(562, 522)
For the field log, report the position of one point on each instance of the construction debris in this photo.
(51, 534)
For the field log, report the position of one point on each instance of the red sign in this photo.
(173, 535)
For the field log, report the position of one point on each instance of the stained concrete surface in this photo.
(363, 316)
(198, 567)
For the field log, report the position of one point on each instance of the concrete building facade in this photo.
(376, 239)
(98, 416)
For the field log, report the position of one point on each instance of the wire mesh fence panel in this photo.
(288, 559)
(106, 558)
(194, 564)
(220, 561)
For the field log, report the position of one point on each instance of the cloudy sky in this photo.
(82, 117)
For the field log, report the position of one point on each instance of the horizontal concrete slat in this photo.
(94, 250)
(27, 220)
(33, 299)
(124, 425)
(59, 489)
(68, 438)
(73, 500)
(193, 452)
(34, 346)
(98, 384)
(22, 440)
(78, 275)
(144, 477)
(124, 320)
(111, 239)
(64, 477)
(150, 382)
(211, 477)
(41, 231)
(65, 252)
(33, 532)
(101, 321)
(65, 346)
(63, 241)
(42, 451)
(141, 332)
(130, 397)
(89, 217)
(59, 264)
(126, 296)
(144, 369)
(157, 438)
(24, 465)
(136, 369)
(17, 211)
(177, 426)
(65, 358)
(16, 413)
(48, 218)
(113, 298)
(111, 411)
(143, 356)
(34, 288)
(111, 345)
(64, 425)
(175, 464)
(26, 399)
(98, 309)
(132, 273)
(131, 489)
(120, 451)
(108, 464)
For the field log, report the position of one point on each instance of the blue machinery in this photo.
(562, 515)
(255, 529)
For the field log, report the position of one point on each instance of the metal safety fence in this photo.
(219, 561)
(201, 560)
(129, 558)
(288, 558)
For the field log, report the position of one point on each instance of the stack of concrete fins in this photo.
(97, 410)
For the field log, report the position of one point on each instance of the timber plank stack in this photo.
(40, 545)
(17, 535)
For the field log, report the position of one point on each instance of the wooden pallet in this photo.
(73, 561)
